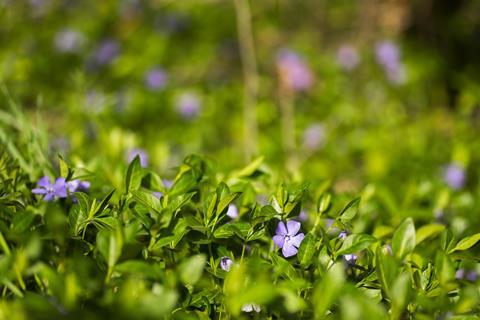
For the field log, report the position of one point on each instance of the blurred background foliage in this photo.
(374, 92)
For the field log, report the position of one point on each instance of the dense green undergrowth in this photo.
(201, 247)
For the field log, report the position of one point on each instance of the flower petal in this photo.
(232, 211)
(288, 249)
(293, 227)
(60, 188)
(281, 229)
(49, 196)
(39, 191)
(297, 240)
(279, 240)
(44, 182)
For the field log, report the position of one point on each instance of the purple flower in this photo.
(342, 235)
(388, 56)
(350, 258)
(226, 263)
(157, 194)
(49, 190)
(167, 183)
(68, 41)
(77, 185)
(347, 57)
(106, 52)
(302, 216)
(329, 224)
(460, 274)
(454, 176)
(472, 275)
(156, 79)
(287, 238)
(293, 72)
(188, 105)
(132, 153)
(314, 136)
(232, 211)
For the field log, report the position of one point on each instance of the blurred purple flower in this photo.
(347, 57)
(350, 258)
(106, 52)
(460, 274)
(287, 238)
(342, 235)
(68, 41)
(157, 194)
(454, 176)
(302, 216)
(293, 72)
(77, 185)
(132, 153)
(314, 136)
(472, 275)
(388, 56)
(226, 263)
(232, 211)
(188, 105)
(167, 183)
(51, 191)
(156, 79)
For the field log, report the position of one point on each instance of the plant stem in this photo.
(288, 129)
(250, 75)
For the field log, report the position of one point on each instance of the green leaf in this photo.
(109, 244)
(323, 203)
(148, 200)
(328, 290)
(307, 249)
(350, 210)
(466, 243)
(192, 269)
(403, 241)
(134, 175)
(428, 231)
(355, 243)
(386, 269)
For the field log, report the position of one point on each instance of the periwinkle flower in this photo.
(472, 275)
(106, 52)
(302, 216)
(167, 183)
(77, 185)
(51, 191)
(156, 79)
(388, 56)
(232, 211)
(293, 72)
(342, 235)
(454, 176)
(226, 263)
(68, 41)
(188, 105)
(157, 194)
(350, 258)
(287, 238)
(142, 154)
(249, 307)
(347, 57)
(460, 274)
(314, 136)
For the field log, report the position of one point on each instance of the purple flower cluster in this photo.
(462, 274)
(293, 72)
(454, 176)
(388, 56)
(226, 263)
(188, 105)
(287, 237)
(347, 57)
(60, 188)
